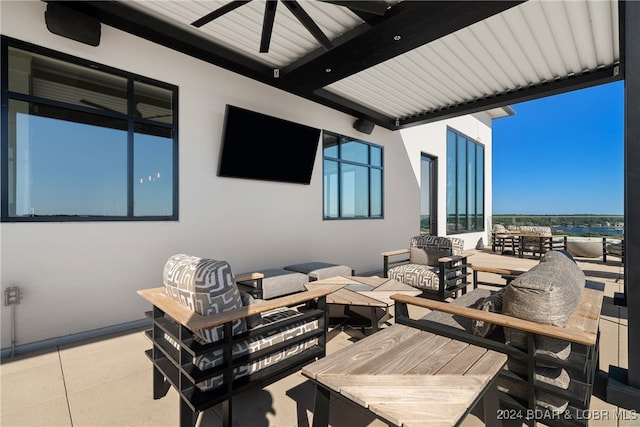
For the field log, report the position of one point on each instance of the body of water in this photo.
(581, 231)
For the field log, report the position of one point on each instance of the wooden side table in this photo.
(371, 294)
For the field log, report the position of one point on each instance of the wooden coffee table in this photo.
(409, 377)
(369, 293)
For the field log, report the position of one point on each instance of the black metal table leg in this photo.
(321, 407)
(491, 405)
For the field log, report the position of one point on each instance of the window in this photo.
(352, 178)
(465, 184)
(83, 141)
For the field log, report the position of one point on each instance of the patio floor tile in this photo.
(107, 381)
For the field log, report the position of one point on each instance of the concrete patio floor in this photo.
(107, 381)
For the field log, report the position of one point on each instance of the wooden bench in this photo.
(582, 331)
(175, 347)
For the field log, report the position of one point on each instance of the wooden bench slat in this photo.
(587, 315)
(497, 270)
(574, 333)
(396, 252)
(195, 321)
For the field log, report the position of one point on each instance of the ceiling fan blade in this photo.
(219, 12)
(308, 23)
(368, 6)
(267, 24)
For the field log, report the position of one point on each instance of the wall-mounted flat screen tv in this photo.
(257, 146)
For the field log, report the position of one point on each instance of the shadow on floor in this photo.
(612, 310)
(607, 275)
(248, 409)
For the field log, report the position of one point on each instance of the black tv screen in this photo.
(257, 146)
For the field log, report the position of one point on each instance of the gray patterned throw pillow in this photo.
(206, 286)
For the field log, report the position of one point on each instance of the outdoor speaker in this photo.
(73, 25)
(364, 126)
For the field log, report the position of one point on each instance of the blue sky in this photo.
(561, 154)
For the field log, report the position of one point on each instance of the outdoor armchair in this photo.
(547, 322)
(436, 265)
(211, 343)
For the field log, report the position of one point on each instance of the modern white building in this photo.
(78, 254)
(114, 117)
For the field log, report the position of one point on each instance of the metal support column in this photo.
(623, 387)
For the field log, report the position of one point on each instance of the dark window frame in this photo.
(340, 162)
(6, 96)
(476, 218)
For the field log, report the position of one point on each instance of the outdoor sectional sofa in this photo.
(547, 322)
(210, 342)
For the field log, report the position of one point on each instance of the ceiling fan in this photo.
(363, 8)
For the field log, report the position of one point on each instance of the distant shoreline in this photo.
(587, 225)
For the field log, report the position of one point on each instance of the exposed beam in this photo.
(405, 26)
(605, 75)
(219, 12)
(308, 23)
(267, 24)
(350, 107)
(623, 386)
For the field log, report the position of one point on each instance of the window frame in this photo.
(340, 162)
(470, 198)
(132, 121)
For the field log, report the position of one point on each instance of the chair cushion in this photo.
(427, 256)
(207, 287)
(492, 303)
(278, 282)
(454, 245)
(548, 293)
(317, 270)
(261, 342)
(254, 320)
(499, 228)
(417, 275)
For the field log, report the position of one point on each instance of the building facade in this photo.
(80, 273)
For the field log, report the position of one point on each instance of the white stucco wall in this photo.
(78, 277)
(432, 140)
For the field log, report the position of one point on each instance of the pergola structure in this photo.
(398, 64)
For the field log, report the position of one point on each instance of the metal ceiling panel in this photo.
(420, 61)
(527, 45)
(241, 29)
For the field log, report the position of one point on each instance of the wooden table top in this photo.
(364, 291)
(408, 376)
